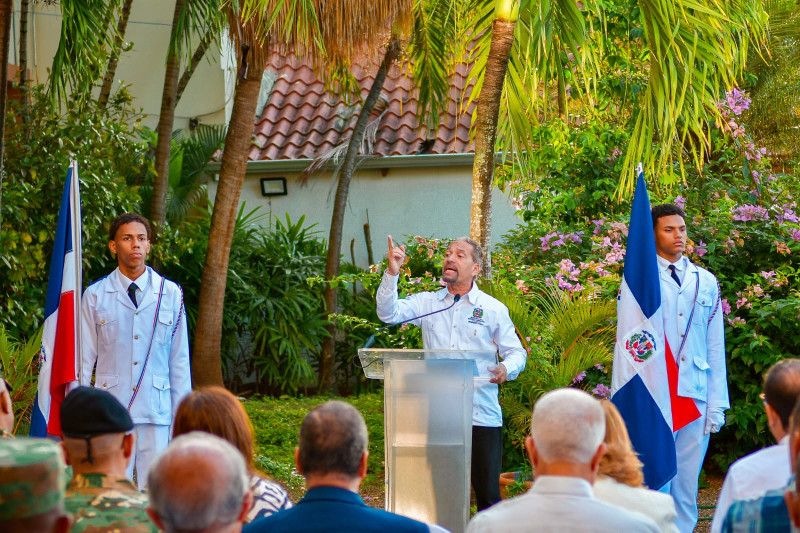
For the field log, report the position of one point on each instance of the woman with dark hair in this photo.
(620, 479)
(217, 411)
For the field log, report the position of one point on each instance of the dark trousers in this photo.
(487, 454)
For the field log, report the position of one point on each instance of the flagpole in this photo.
(77, 244)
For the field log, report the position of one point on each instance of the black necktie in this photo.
(674, 275)
(132, 293)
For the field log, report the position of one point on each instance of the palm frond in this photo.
(87, 30)
(195, 19)
(697, 50)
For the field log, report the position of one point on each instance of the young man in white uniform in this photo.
(476, 322)
(693, 322)
(134, 329)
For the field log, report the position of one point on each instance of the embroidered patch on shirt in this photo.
(477, 317)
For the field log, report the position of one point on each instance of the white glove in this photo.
(715, 419)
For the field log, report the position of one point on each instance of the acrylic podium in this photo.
(428, 429)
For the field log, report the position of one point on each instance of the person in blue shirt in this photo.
(331, 455)
(475, 322)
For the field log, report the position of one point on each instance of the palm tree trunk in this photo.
(24, 9)
(207, 360)
(113, 57)
(326, 367)
(487, 111)
(158, 205)
(5, 40)
(208, 38)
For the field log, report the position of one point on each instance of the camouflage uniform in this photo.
(100, 504)
(31, 478)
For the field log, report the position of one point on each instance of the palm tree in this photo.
(113, 56)
(430, 45)
(696, 50)
(188, 15)
(331, 34)
(257, 28)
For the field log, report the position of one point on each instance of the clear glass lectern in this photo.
(428, 429)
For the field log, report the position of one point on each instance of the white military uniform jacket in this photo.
(701, 362)
(116, 335)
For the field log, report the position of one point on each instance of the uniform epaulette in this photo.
(95, 282)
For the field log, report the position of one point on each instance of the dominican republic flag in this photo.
(60, 356)
(644, 379)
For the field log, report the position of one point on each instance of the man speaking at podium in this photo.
(469, 320)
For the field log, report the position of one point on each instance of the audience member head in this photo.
(781, 391)
(620, 462)
(199, 483)
(96, 430)
(6, 407)
(567, 430)
(216, 411)
(332, 449)
(32, 477)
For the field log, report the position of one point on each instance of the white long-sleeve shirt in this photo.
(477, 322)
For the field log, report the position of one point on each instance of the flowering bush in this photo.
(743, 227)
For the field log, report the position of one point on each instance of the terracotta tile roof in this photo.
(301, 120)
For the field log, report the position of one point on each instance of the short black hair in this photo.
(782, 388)
(333, 437)
(126, 218)
(666, 210)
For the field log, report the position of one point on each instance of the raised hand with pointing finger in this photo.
(396, 257)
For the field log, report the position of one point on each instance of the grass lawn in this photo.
(276, 422)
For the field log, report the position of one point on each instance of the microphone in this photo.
(371, 340)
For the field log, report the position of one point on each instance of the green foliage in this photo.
(273, 321)
(189, 156)
(743, 227)
(276, 422)
(104, 144)
(19, 364)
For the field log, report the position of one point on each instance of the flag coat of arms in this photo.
(644, 375)
(60, 355)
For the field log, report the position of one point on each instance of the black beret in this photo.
(88, 412)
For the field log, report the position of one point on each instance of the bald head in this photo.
(199, 483)
(568, 426)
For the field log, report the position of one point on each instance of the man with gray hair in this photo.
(462, 317)
(332, 455)
(199, 483)
(565, 448)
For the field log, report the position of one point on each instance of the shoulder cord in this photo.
(180, 314)
(716, 307)
(150, 347)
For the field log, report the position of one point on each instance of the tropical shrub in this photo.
(273, 321)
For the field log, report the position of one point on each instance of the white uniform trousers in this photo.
(150, 440)
(690, 448)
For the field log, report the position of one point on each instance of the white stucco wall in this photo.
(431, 202)
(142, 67)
